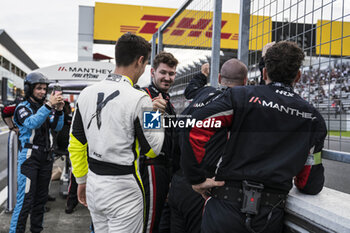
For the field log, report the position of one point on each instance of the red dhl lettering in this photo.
(151, 28)
(186, 24)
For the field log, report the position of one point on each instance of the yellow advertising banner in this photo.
(333, 38)
(191, 28)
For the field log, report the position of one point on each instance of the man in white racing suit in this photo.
(108, 122)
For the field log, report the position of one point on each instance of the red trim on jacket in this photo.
(200, 136)
(301, 179)
(9, 110)
(149, 93)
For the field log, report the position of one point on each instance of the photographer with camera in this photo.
(35, 117)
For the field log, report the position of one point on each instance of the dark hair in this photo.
(166, 58)
(31, 81)
(67, 108)
(129, 48)
(283, 61)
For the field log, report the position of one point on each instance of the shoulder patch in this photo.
(22, 113)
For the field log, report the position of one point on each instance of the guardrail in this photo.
(334, 155)
(329, 211)
(12, 148)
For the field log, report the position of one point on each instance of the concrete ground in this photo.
(56, 220)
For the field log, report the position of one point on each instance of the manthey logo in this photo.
(62, 68)
(83, 72)
(187, 26)
(155, 120)
(281, 108)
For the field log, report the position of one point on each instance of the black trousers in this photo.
(221, 216)
(156, 180)
(37, 168)
(186, 206)
(72, 198)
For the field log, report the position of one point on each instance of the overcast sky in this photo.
(47, 30)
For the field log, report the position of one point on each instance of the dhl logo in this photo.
(186, 26)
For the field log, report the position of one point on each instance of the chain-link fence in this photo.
(322, 29)
(188, 35)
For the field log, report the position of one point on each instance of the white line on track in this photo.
(1, 133)
(3, 174)
(3, 195)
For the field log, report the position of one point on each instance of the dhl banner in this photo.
(113, 20)
(333, 38)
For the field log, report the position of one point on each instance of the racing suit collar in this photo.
(35, 105)
(223, 88)
(131, 82)
(155, 89)
(117, 77)
(283, 85)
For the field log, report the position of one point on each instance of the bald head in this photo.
(233, 73)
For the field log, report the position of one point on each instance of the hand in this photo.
(55, 98)
(16, 130)
(267, 46)
(82, 194)
(203, 188)
(60, 106)
(159, 103)
(205, 69)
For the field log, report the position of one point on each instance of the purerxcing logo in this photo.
(153, 120)
(281, 108)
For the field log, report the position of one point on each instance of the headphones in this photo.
(26, 87)
(27, 90)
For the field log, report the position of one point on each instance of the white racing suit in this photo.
(108, 122)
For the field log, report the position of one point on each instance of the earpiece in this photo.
(26, 88)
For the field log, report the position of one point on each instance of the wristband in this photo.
(49, 104)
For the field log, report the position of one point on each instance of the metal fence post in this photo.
(85, 33)
(12, 148)
(243, 39)
(160, 41)
(154, 47)
(216, 37)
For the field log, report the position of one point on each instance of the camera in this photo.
(56, 87)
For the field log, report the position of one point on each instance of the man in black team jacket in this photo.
(275, 136)
(156, 173)
(187, 205)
